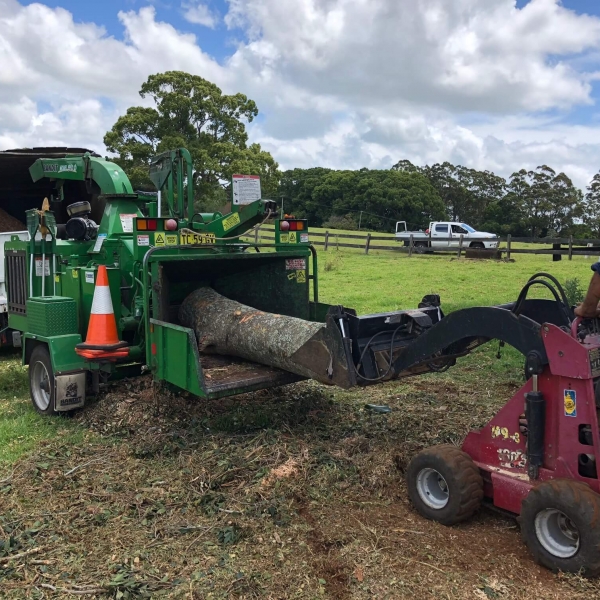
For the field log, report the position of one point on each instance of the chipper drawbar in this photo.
(158, 287)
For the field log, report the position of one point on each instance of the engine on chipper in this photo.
(155, 286)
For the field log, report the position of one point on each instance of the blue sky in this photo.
(339, 83)
(216, 42)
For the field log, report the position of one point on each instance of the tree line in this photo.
(192, 112)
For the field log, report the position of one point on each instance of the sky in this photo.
(494, 85)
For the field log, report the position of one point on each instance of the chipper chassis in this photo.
(206, 311)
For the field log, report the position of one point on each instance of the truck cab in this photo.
(446, 234)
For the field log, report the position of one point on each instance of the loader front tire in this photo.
(560, 523)
(41, 380)
(444, 484)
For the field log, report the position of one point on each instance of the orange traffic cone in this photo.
(102, 341)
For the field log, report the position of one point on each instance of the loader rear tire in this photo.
(560, 523)
(41, 381)
(444, 484)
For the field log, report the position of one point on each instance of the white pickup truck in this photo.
(446, 234)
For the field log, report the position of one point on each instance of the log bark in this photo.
(226, 327)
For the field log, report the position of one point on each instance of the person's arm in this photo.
(588, 309)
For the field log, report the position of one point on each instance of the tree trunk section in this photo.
(229, 328)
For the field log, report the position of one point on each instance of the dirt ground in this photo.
(289, 493)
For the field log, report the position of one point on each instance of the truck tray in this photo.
(225, 373)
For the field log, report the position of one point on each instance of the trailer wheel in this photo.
(420, 247)
(560, 523)
(41, 380)
(444, 484)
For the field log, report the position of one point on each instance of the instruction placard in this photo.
(38, 267)
(246, 189)
(295, 264)
(127, 223)
(159, 239)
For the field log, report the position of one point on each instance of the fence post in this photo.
(556, 257)
(326, 240)
(460, 245)
(508, 237)
(337, 242)
(256, 235)
(368, 243)
(570, 247)
(410, 246)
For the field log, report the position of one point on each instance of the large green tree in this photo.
(592, 205)
(189, 111)
(383, 197)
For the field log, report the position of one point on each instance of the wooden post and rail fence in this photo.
(560, 247)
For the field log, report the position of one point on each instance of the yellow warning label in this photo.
(231, 221)
(570, 403)
(57, 278)
(171, 240)
(159, 239)
(301, 276)
(293, 237)
(284, 238)
(75, 274)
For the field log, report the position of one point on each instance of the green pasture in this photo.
(377, 282)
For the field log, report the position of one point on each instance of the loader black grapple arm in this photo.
(463, 330)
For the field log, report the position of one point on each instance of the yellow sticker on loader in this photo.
(159, 239)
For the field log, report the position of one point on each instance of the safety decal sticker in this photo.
(127, 223)
(293, 237)
(89, 276)
(294, 264)
(570, 403)
(284, 238)
(99, 241)
(171, 240)
(231, 221)
(304, 238)
(143, 240)
(301, 276)
(38, 267)
(159, 239)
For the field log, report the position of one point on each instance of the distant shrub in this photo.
(340, 222)
(575, 293)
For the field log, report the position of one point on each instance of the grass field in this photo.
(296, 493)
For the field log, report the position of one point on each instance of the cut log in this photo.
(226, 327)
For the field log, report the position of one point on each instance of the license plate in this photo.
(195, 239)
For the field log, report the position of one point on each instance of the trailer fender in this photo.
(61, 349)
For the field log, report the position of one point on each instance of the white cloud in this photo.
(199, 14)
(340, 83)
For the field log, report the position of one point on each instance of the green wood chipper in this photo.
(194, 305)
